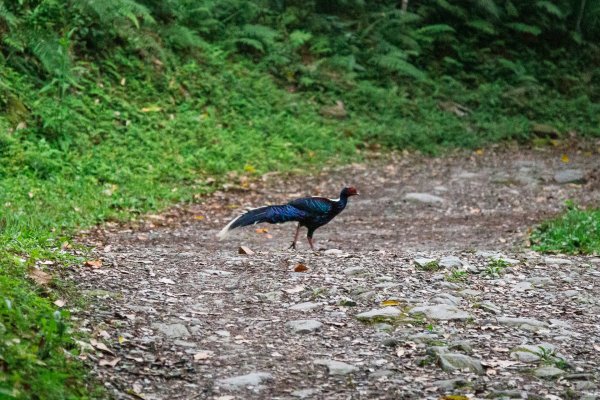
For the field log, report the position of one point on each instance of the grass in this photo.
(577, 231)
(495, 268)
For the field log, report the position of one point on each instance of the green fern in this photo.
(525, 28)
(396, 62)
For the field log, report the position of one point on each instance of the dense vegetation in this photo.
(111, 108)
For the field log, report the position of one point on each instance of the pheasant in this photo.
(310, 212)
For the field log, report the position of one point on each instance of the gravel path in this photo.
(427, 288)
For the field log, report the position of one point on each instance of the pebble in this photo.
(243, 381)
(355, 271)
(336, 367)
(304, 393)
(307, 306)
(522, 286)
(425, 198)
(304, 326)
(172, 331)
(557, 261)
(521, 322)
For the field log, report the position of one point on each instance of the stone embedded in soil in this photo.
(548, 372)
(442, 312)
(521, 322)
(522, 286)
(445, 298)
(354, 271)
(243, 381)
(172, 331)
(424, 198)
(304, 326)
(450, 262)
(451, 384)
(336, 367)
(451, 362)
(557, 261)
(380, 313)
(304, 393)
(307, 306)
(569, 176)
(424, 262)
(531, 353)
(490, 307)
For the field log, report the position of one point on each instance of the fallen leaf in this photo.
(479, 152)
(400, 352)
(47, 262)
(40, 277)
(565, 159)
(227, 397)
(101, 346)
(104, 362)
(199, 217)
(167, 281)
(151, 109)
(300, 268)
(261, 230)
(121, 340)
(203, 355)
(60, 303)
(390, 303)
(93, 263)
(245, 250)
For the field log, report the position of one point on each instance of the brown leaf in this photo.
(245, 250)
(261, 230)
(101, 346)
(40, 277)
(93, 263)
(103, 362)
(300, 268)
(390, 303)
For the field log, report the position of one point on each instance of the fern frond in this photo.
(550, 8)
(525, 28)
(8, 17)
(482, 26)
(395, 62)
(180, 37)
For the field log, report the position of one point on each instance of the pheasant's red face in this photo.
(352, 191)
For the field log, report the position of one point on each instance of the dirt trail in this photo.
(187, 317)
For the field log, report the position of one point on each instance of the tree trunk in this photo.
(404, 5)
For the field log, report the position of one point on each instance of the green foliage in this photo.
(34, 342)
(577, 231)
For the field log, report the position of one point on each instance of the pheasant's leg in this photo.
(293, 245)
(309, 236)
(310, 241)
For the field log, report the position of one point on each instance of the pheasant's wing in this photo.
(313, 205)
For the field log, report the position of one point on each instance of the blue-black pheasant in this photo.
(310, 212)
